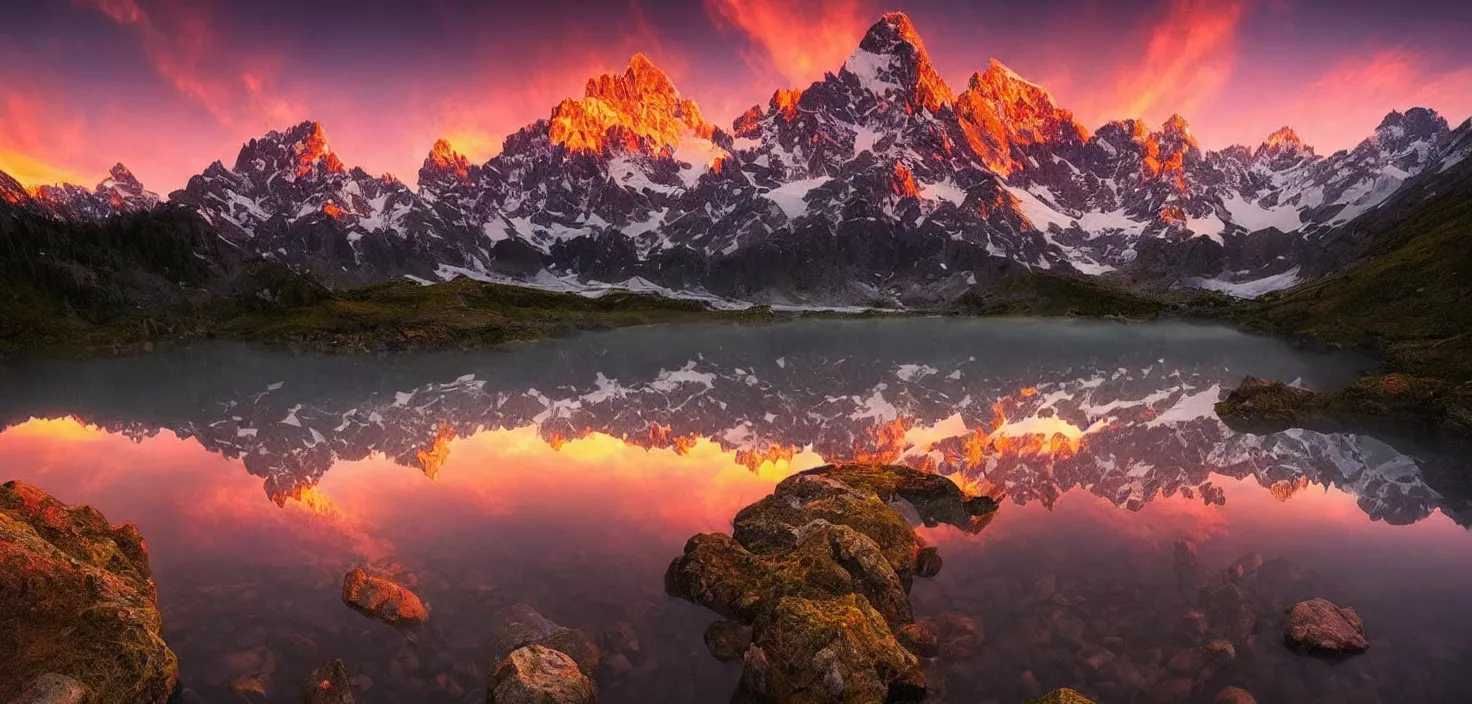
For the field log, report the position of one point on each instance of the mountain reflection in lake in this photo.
(566, 474)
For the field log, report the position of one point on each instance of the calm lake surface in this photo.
(566, 474)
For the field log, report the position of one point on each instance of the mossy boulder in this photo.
(539, 675)
(1062, 696)
(829, 560)
(1262, 406)
(77, 599)
(774, 524)
(832, 650)
(527, 627)
(822, 569)
(936, 499)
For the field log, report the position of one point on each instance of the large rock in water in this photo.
(836, 650)
(539, 675)
(527, 627)
(1319, 627)
(77, 604)
(822, 568)
(381, 599)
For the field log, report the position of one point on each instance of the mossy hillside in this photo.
(403, 314)
(270, 304)
(1411, 293)
(1045, 294)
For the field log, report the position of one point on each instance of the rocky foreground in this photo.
(813, 587)
(819, 573)
(78, 604)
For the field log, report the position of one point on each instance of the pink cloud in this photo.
(1190, 55)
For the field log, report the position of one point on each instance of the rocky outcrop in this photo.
(328, 685)
(78, 605)
(1397, 400)
(539, 675)
(382, 600)
(822, 569)
(1319, 627)
(833, 650)
(527, 627)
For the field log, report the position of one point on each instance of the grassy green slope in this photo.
(460, 313)
(1039, 293)
(1411, 290)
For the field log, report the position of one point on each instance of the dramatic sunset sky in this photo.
(167, 86)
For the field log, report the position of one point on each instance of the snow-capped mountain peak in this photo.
(123, 192)
(638, 110)
(892, 59)
(1003, 114)
(444, 166)
(875, 182)
(301, 152)
(1283, 141)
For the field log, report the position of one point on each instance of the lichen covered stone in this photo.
(1319, 627)
(78, 604)
(539, 675)
(382, 599)
(832, 650)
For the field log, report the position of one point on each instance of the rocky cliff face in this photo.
(877, 183)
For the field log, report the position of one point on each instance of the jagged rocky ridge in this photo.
(1127, 429)
(119, 193)
(878, 182)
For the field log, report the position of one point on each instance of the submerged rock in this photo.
(78, 606)
(921, 638)
(727, 640)
(328, 685)
(1231, 613)
(382, 599)
(959, 635)
(835, 650)
(1062, 696)
(1233, 695)
(1319, 627)
(539, 675)
(527, 627)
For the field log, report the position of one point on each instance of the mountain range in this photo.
(878, 184)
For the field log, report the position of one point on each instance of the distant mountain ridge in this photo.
(878, 183)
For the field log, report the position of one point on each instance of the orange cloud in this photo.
(1340, 107)
(798, 40)
(35, 137)
(1191, 53)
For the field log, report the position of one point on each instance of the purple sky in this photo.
(167, 86)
